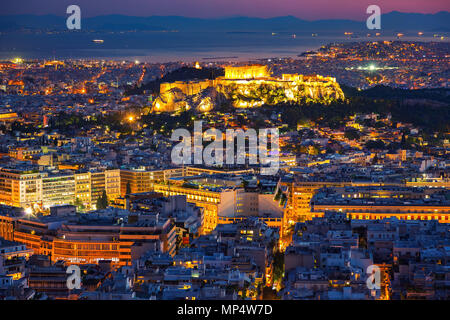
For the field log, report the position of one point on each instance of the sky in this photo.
(304, 9)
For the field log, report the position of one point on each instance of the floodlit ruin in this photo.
(246, 87)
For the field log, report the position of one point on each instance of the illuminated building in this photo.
(137, 180)
(192, 171)
(90, 242)
(20, 187)
(187, 217)
(247, 72)
(10, 249)
(246, 82)
(83, 188)
(89, 186)
(97, 186)
(429, 182)
(26, 187)
(23, 153)
(12, 259)
(34, 233)
(141, 180)
(112, 183)
(58, 188)
(295, 197)
(49, 279)
(7, 227)
(208, 200)
(223, 200)
(8, 117)
(380, 202)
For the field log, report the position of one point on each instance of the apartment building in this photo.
(27, 187)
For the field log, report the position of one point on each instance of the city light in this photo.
(224, 169)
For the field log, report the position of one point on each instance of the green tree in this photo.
(105, 201)
(278, 266)
(79, 204)
(102, 202)
(375, 144)
(351, 134)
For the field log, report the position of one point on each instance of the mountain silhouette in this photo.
(397, 21)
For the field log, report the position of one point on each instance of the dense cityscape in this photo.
(86, 177)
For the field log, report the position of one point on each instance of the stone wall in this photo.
(246, 87)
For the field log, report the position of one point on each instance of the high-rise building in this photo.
(58, 188)
(27, 187)
(20, 187)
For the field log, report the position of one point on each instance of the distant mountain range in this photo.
(397, 21)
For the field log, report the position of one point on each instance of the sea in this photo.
(174, 46)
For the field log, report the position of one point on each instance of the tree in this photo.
(105, 201)
(79, 204)
(375, 144)
(128, 188)
(375, 159)
(314, 149)
(102, 202)
(278, 266)
(351, 134)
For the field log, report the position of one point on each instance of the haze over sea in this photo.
(160, 46)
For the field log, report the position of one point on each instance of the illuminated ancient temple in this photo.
(247, 72)
(246, 87)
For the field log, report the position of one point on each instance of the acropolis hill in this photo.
(246, 87)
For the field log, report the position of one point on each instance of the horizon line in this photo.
(218, 18)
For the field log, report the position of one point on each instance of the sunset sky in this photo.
(304, 9)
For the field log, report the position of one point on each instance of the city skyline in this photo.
(152, 157)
